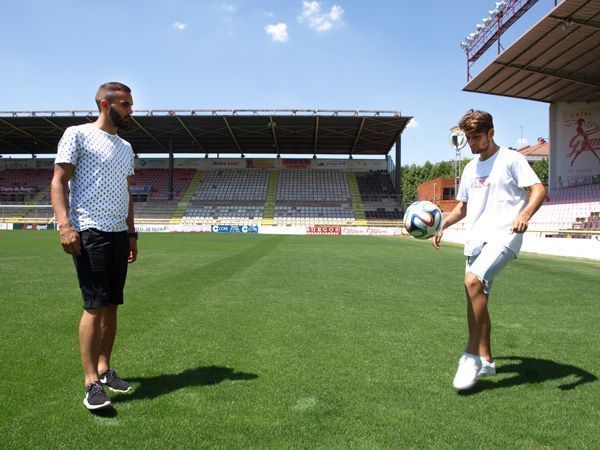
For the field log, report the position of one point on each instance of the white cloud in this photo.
(412, 123)
(227, 7)
(278, 32)
(522, 142)
(317, 19)
(179, 26)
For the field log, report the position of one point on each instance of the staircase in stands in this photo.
(357, 207)
(269, 207)
(187, 196)
(35, 200)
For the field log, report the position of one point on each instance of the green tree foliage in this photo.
(541, 169)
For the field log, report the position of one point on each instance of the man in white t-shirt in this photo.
(94, 212)
(498, 194)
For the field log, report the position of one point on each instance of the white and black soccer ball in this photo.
(423, 219)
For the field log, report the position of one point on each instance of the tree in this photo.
(541, 169)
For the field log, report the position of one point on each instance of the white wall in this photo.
(533, 242)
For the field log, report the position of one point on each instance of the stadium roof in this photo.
(219, 131)
(558, 60)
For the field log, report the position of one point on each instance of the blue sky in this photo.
(342, 54)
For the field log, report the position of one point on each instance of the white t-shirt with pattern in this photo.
(494, 191)
(99, 194)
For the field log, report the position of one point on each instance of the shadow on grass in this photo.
(152, 387)
(109, 412)
(533, 371)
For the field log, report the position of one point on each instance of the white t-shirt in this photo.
(99, 196)
(494, 191)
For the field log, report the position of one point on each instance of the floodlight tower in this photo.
(499, 20)
(457, 140)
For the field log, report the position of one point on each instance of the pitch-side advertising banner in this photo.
(234, 229)
(158, 228)
(577, 136)
(371, 231)
(324, 230)
(35, 163)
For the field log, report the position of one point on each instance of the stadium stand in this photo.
(318, 185)
(233, 197)
(313, 215)
(375, 186)
(379, 198)
(24, 185)
(157, 182)
(233, 215)
(573, 208)
(242, 185)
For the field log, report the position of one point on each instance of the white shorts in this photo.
(488, 263)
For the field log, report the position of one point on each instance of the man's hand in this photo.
(520, 224)
(435, 240)
(133, 251)
(69, 239)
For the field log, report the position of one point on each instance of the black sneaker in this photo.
(111, 380)
(95, 397)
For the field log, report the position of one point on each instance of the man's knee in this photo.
(473, 284)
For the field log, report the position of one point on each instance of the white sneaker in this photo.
(488, 369)
(469, 366)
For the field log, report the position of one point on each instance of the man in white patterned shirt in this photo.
(94, 212)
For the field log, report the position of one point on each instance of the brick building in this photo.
(439, 191)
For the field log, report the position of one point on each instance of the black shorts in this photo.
(102, 267)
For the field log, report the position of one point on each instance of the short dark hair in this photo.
(108, 90)
(475, 121)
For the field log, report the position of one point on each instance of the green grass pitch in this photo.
(254, 341)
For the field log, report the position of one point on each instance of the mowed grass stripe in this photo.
(292, 341)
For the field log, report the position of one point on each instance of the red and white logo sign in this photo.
(325, 230)
(584, 139)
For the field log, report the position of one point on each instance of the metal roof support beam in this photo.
(232, 135)
(593, 26)
(170, 186)
(147, 133)
(362, 124)
(36, 139)
(274, 134)
(187, 130)
(61, 129)
(550, 73)
(398, 171)
(316, 135)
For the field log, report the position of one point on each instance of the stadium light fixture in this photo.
(480, 27)
(486, 20)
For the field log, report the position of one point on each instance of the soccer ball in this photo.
(422, 219)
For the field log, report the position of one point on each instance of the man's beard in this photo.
(120, 122)
(478, 150)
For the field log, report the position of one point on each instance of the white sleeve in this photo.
(68, 148)
(131, 163)
(523, 173)
(463, 191)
